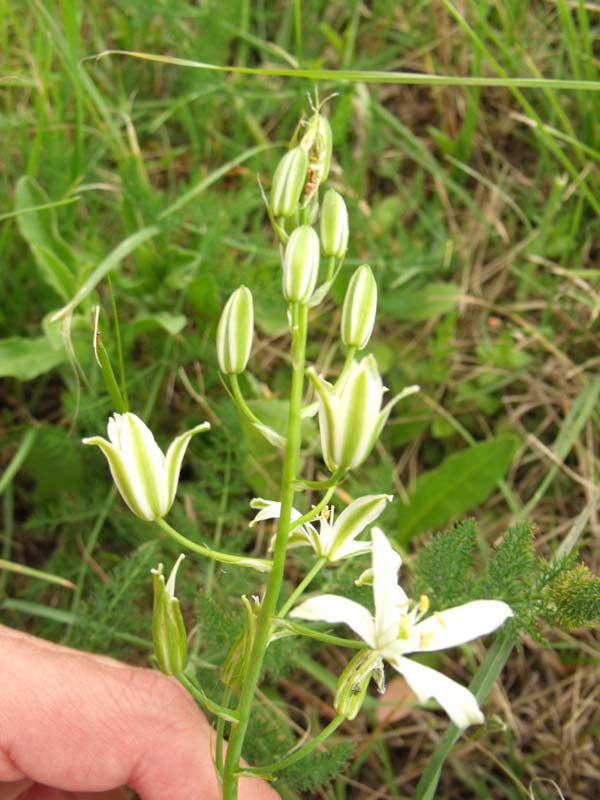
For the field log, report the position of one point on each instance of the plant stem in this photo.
(260, 564)
(302, 752)
(263, 626)
(240, 400)
(118, 343)
(316, 567)
(481, 684)
(312, 515)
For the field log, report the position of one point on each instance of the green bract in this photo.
(360, 306)
(288, 182)
(168, 630)
(350, 413)
(235, 332)
(334, 225)
(146, 478)
(301, 265)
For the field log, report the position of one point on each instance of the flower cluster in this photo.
(313, 238)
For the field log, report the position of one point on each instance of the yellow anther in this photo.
(440, 619)
(424, 639)
(423, 604)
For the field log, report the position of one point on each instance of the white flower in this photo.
(401, 626)
(334, 540)
(146, 478)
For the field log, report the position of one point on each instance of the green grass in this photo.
(467, 150)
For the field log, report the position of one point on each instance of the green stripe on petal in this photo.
(144, 457)
(327, 417)
(173, 460)
(355, 518)
(127, 487)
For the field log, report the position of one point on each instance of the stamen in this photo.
(440, 619)
(424, 639)
(423, 604)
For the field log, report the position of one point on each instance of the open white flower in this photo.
(145, 477)
(334, 540)
(400, 626)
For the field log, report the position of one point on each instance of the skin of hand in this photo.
(78, 725)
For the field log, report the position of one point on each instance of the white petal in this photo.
(349, 549)
(356, 516)
(270, 509)
(125, 480)
(390, 599)
(461, 624)
(173, 460)
(144, 458)
(458, 702)
(331, 608)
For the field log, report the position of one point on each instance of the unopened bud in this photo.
(288, 182)
(360, 306)
(301, 265)
(168, 630)
(353, 682)
(318, 143)
(235, 332)
(236, 661)
(334, 225)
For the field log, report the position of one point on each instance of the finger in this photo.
(24, 790)
(71, 721)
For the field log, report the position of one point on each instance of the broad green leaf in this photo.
(54, 271)
(431, 301)
(171, 323)
(460, 483)
(121, 251)
(40, 228)
(27, 358)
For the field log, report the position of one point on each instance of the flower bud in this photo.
(353, 682)
(350, 413)
(145, 477)
(301, 265)
(168, 630)
(288, 182)
(236, 661)
(334, 225)
(235, 332)
(360, 305)
(318, 143)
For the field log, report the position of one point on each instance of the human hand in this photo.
(87, 725)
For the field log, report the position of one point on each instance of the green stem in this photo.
(118, 344)
(317, 567)
(302, 752)
(221, 736)
(327, 484)
(331, 268)
(225, 714)
(259, 564)
(109, 377)
(338, 641)
(240, 400)
(348, 361)
(263, 626)
(481, 684)
(312, 515)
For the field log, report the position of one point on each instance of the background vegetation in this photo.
(477, 209)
